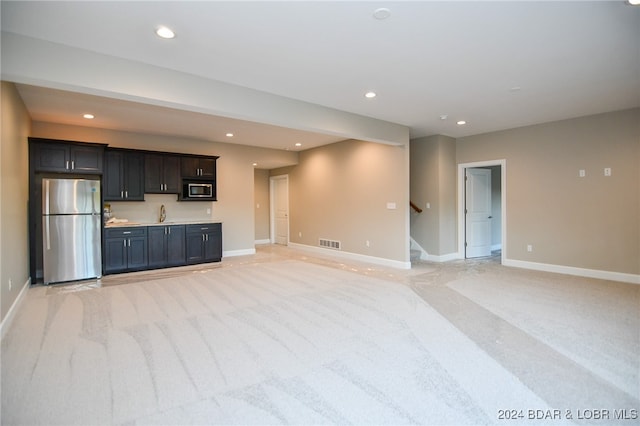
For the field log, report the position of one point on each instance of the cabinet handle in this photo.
(202, 237)
(126, 194)
(121, 194)
(165, 230)
(73, 165)
(207, 235)
(169, 231)
(129, 243)
(124, 243)
(66, 165)
(126, 232)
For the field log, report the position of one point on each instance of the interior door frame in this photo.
(272, 207)
(503, 203)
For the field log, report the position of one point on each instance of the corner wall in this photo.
(433, 181)
(14, 190)
(340, 192)
(261, 204)
(590, 222)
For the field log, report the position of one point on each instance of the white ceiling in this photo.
(460, 59)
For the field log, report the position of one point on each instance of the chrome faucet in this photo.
(163, 213)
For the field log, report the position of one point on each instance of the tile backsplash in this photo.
(148, 211)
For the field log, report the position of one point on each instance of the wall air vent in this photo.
(335, 245)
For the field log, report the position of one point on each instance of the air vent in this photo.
(335, 245)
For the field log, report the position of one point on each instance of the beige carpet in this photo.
(296, 342)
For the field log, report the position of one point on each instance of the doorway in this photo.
(279, 193)
(482, 209)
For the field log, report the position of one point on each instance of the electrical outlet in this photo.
(607, 171)
(367, 243)
(300, 234)
(529, 248)
(428, 205)
(208, 211)
(582, 173)
(10, 284)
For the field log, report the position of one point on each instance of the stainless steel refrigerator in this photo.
(71, 230)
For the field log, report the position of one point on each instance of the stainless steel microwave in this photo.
(197, 190)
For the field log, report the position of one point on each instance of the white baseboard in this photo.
(243, 252)
(570, 270)
(432, 257)
(441, 258)
(354, 256)
(6, 322)
(259, 242)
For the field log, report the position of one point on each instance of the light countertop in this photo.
(166, 223)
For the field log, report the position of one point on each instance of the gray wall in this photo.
(261, 203)
(591, 222)
(14, 190)
(340, 192)
(433, 181)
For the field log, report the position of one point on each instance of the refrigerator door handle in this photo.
(46, 196)
(47, 232)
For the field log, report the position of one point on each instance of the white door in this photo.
(280, 211)
(478, 213)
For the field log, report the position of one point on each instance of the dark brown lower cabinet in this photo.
(166, 246)
(125, 249)
(204, 243)
(161, 246)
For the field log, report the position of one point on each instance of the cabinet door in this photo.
(115, 255)
(86, 159)
(213, 247)
(113, 176)
(208, 168)
(134, 176)
(153, 181)
(51, 157)
(171, 171)
(176, 249)
(195, 247)
(137, 252)
(190, 167)
(157, 246)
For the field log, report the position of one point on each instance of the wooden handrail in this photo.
(416, 208)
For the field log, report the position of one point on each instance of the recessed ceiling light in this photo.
(517, 88)
(461, 122)
(444, 117)
(165, 32)
(370, 95)
(229, 135)
(381, 13)
(634, 2)
(89, 116)
(255, 164)
(298, 144)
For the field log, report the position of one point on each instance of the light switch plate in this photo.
(391, 206)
